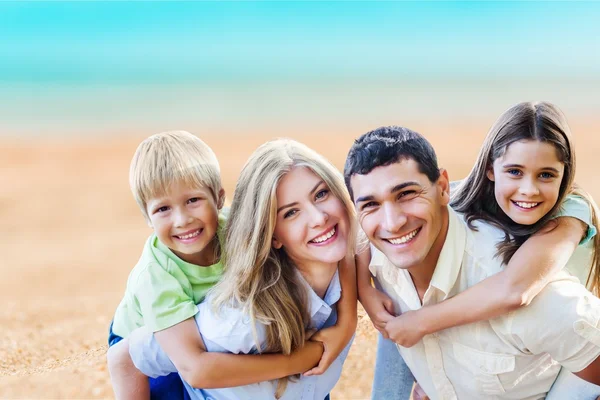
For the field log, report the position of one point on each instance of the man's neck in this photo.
(421, 274)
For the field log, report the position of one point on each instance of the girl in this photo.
(522, 183)
(291, 223)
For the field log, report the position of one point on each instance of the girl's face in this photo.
(312, 223)
(527, 180)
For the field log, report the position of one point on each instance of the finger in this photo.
(389, 306)
(310, 333)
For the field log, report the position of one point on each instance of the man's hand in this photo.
(379, 307)
(405, 329)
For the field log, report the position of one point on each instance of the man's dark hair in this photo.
(388, 145)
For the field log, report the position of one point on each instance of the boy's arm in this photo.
(183, 345)
(336, 338)
(127, 381)
(527, 273)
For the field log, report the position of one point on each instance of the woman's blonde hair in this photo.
(258, 277)
(172, 157)
(540, 121)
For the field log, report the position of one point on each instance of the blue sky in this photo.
(207, 41)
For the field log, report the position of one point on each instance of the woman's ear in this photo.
(277, 244)
(490, 174)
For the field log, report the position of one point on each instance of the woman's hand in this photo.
(379, 307)
(406, 329)
(333, 343)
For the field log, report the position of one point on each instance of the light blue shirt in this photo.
(230, 330)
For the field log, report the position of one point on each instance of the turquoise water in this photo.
(106, 67)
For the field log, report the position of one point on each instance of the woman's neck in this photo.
(318, 275)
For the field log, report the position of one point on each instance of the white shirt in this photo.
(515, 356)
(230, 331)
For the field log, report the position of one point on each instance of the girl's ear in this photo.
(277, 244)
(490, 174)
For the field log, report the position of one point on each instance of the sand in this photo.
(71, 232)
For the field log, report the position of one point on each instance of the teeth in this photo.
(405, 238)
(191, 235)
(324, 237)
(526, 205)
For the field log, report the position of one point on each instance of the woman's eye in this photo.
(546, 175)
(321, 194)
(514, 172)
(290, 213)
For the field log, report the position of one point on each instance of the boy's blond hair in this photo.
(172, 157)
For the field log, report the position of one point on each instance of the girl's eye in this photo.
(514, 172)
(290, 213)
(321, 194)
(546, 175)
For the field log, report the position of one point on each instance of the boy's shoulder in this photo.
(152, 258)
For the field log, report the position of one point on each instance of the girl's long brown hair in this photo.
(475, 198)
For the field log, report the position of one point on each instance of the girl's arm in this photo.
(528, 271)
(377, 304)
(336, 338)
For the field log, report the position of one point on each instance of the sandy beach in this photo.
(71, 232)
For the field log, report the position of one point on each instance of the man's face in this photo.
(401, 211)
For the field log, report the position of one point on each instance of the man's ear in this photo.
(490, 174)
(444, 185)
(277, 244)
(221, 199)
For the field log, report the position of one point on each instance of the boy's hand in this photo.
(332, 340)
(418, 393)
(405, 329)
(379, 307)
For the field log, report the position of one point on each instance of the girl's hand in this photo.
(333, 343)
(418, 393)
(406, 329)
(379, 307)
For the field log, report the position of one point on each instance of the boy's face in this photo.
(186, 220)
(401, 211)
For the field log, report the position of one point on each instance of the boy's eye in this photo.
(162, 209)
(290, 213)
(194, 199)
(514, 172)
(321, 194)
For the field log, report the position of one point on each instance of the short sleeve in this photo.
(162, 299)
(563, 321)
(577, 207)
(147, 355)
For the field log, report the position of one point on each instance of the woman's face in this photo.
(527, 180)
(312, 223)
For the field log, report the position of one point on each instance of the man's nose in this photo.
(393, 218)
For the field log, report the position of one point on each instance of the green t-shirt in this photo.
(162, 289)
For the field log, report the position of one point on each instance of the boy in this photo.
(176, 182)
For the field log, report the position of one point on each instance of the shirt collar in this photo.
(332, 295)
(450, 259)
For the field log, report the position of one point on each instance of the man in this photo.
(402, 198)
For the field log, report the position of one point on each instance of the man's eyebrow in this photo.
(295, 203)
(392, 190)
